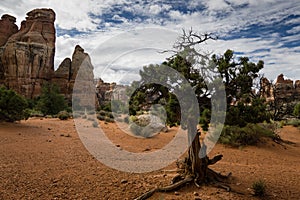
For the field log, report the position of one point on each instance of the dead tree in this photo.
(196, 164)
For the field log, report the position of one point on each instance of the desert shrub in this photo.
(248, 135)
(109, 120)
(95, 124)
(50, 101)
(296, 111)
(101, 117)
(63, 115)
(133, 118)
(13, 107)
(35, 113)
(259, 188)
(102, 113)
(293, 122)
(110, 115)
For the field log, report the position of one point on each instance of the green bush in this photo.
(102, 112)
(50, 101)
(248, 135)
(13, 107)
(293, 122)
(108, 119)
(63, 115)
(101, 117)
(259, 188)
(296, 111)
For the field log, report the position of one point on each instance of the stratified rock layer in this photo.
(28, 55)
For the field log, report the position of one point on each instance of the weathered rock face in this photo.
(79, 67)
(7, 28)
(28, 55)
(267, 90)
(284, 89)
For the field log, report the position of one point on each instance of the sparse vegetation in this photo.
(95, 124)
(63, 115)
(13, 107)
(259, 188)
(51, 102)
(251, 134)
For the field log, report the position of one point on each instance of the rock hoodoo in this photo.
(27, 57)
(68, 70)
(7, 28)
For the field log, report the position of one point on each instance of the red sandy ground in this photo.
(45, 159)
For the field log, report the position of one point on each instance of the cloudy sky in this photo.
(123, 35)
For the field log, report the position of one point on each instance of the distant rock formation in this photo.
(284, 89)
(27, 57)
(106, 92)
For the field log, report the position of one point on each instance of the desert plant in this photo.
(248, 135)
(95, 124)
(51, 101)
(13, 107)
(102, 112)
(63, 115)
(296, 111)
(259, 188)
(293, 122)
(101, 117)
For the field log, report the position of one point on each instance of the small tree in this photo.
(13, 107)
(51, 101)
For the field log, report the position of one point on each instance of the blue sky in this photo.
(122, 35)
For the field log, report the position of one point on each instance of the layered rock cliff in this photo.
(79, 67)
(27, 56)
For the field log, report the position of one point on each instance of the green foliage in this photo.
(50, 101)
(296, 111)
(101, 117)
(238, 77)
(13, 107)
(244, 113)
(63, 115)
(204, 119)
(293, 122)
(108, 119)
(241, 136)
(259, 188)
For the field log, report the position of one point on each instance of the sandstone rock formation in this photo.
(79, 69)
(27, 58)
(284, 89)
(7, 28)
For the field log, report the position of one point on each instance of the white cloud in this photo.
(234, 17)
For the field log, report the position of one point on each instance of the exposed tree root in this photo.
(213, 178)
(169, 188)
